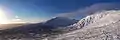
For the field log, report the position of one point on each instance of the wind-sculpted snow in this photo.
(101, 26)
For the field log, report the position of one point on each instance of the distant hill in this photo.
(60, 22)
(41, 29)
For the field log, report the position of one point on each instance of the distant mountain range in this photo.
(60, 22)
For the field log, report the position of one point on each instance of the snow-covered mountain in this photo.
(98, 18)
(101, 26)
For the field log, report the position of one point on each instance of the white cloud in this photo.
(91, 9)
(17, 20)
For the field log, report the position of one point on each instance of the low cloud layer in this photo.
(91, 9)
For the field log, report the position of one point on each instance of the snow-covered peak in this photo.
(98, 19)
(100, 26)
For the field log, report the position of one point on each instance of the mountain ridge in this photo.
(104, 28)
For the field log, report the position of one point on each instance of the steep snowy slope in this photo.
(101, 26)
(99, 19)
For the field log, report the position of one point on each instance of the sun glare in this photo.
(3, 18)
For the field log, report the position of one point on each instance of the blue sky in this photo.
(37, 10)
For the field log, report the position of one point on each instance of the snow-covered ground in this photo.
(101, 26)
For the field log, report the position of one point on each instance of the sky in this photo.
(41, 10)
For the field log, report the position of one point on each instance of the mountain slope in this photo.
(39, 30)
(103, 26)
(54, 23)
(99, 18)
(60, 22)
